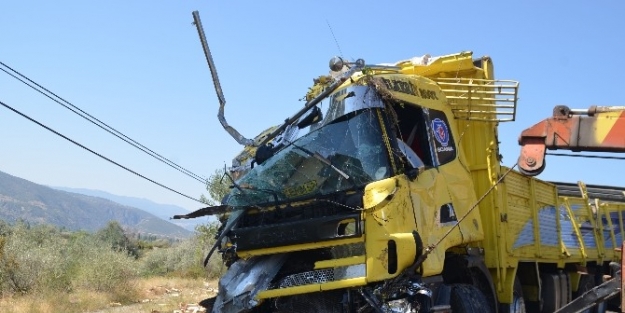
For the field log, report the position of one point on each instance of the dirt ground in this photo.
(168, 296)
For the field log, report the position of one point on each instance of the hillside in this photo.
(164, 211)
(24, 200)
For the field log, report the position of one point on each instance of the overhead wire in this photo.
(96, 153)
(586, 156)
(68, 105)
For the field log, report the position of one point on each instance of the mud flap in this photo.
(244, 280)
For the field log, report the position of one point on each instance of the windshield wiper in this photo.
(327, 162)
(321, 158)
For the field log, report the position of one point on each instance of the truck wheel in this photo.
(550, 293)
(518, 304)
(468, 299)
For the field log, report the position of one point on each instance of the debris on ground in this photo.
(159, 295)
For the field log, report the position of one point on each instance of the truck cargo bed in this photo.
(557, 223)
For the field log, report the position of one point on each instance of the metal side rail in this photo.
(605, 193)
(593, 296)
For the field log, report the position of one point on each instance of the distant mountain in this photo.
(24, 200)
(164, 211)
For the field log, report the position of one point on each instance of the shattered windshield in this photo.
(348, 152)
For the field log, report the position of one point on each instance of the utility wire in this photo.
(101, 156)
(98, 122)
(335, 41)
(587, 156)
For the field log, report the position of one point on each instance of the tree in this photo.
(114, 234)
(218, 186)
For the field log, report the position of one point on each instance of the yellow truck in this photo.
(385, 193)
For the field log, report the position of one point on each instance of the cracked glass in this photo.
(344, 153)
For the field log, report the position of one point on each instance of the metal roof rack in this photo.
(481, 99)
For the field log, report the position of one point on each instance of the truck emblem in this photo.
(441, 132)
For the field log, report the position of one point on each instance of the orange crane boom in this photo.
(598, 129)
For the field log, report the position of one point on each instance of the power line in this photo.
(51, 95)
(101, 156)
(101, 124)
(587, 156)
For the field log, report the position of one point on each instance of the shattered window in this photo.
(413, 131)
(427, 132)
(344, 154)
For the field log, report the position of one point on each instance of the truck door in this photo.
(430, 196)
(457, 177)
(443, 190)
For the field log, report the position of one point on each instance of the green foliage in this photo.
(185, 258)
(148, 244)
(30, 257)
(103, 270)
(207, 232)
(113, 234)
(42, 258)
(218, 186)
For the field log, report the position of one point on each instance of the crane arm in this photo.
(598, 129)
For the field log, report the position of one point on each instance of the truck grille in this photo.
(311, 277)
(319, 221)
(289, 213)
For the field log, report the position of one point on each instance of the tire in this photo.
(550, 292)
(518, 303)
(468, 299)
(443, 294)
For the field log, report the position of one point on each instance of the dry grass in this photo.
(80, 301)
(157, 294)
(42, 270)
(161, 294)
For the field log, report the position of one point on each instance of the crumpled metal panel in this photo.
(244, 280)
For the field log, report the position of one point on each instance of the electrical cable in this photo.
(100, 155)
(99, 123)
(587, 156)
(103, 125)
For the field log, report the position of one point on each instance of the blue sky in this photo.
(139, 67)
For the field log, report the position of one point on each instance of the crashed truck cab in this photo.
(364, 163)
